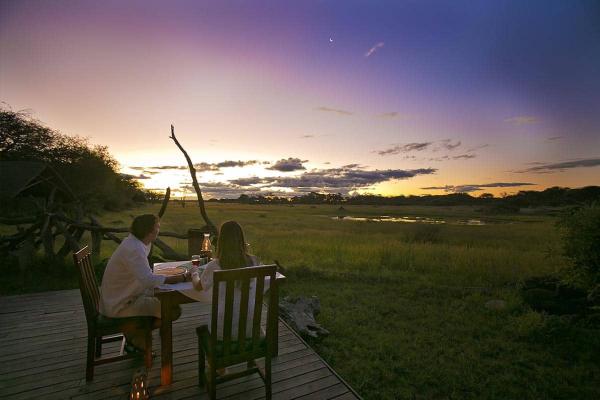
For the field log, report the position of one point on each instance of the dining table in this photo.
(171, 295)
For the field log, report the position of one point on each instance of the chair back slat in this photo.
(88, 286)
(241, 280)
(256, 319)
(245, 289)
(227, 317)
(214, 319)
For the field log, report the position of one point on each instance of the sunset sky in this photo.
(404, 97)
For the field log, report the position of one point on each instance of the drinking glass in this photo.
(196, 260)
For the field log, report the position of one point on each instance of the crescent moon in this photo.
(330, 40)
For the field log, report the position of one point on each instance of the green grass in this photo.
(405, 303)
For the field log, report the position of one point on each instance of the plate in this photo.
(171, 271)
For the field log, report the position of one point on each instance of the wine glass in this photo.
(196, 260)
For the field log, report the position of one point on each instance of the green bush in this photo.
(581, 229)
(89, 171)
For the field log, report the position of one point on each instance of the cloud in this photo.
(553, 138)
(465, 156)
(221, 189)
(253, 180)
(307, 136)
(373, 49)
(445, 144)
(291, 164)
(160, 167)
(334, 110)
(230, 164)
(390, 115)
(404, 148)
(352, 166)
(138, 177)
(342, 180)
(522, 120)
(200, 167)
(560, 167)
(535, 163)
(481, 146)
(442, 158)
(448, 145)
(475, 187)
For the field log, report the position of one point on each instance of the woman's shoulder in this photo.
(213, 264)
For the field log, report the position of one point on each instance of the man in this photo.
(128, 284)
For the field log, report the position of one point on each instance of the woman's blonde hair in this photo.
(231, 247)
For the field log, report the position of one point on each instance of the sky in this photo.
(282, 97)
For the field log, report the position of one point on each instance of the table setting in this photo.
(175, 268)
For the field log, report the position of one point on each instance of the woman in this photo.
(231, 253)
(128, 283)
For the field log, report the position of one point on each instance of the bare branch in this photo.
(165, 202)
(194, 182)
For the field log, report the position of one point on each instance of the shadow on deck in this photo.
(42, 355)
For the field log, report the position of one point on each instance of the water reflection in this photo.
(410, 220)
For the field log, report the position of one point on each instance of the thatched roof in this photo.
(16, 176)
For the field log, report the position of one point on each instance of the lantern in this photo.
(206, 249)
(139, 386)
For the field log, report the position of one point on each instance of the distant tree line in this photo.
(90, 171)
(551, 197)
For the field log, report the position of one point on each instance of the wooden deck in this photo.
(42, 355)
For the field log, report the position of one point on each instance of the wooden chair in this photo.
(228, 351)
(102, 329)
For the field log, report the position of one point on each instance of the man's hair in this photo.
(142, 225)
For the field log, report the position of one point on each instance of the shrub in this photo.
(90, 171)
(581, 228)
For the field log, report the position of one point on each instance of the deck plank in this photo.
(42, 355)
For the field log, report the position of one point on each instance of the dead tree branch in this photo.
(208, 222)
(165, 202)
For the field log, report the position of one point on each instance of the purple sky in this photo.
(445, 95)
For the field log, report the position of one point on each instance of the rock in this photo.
(300, 314)
(495, 304)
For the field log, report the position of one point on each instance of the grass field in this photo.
(405, 302)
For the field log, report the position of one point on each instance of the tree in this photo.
(90, 171)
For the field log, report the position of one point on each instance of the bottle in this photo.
(206, 250)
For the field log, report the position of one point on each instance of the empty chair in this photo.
(235, 335)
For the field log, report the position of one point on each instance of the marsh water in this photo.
(413, 219)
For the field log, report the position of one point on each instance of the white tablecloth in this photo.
(185, 288)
